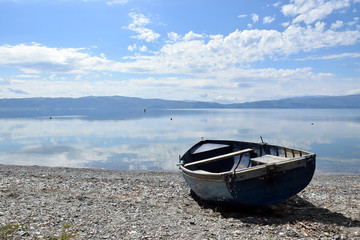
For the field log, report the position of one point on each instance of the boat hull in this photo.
(265, 184)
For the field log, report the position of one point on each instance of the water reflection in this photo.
(154, 141)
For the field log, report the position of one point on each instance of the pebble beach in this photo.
(72, 203)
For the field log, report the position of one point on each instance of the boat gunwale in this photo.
(256, 171)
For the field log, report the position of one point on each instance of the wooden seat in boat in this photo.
(268, 159)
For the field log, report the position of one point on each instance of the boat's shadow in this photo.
(293, 210)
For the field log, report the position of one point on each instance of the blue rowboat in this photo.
(245, 173)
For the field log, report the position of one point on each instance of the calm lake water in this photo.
(154, 140)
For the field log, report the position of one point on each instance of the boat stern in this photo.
(208, 186)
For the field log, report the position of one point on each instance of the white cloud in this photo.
(296, 38)
(242, 16)
(310, 11)
(277, 4)
(230, 81)
(355, 21)
(28, 76)
(191, 36)
(121, 2)
(244, 47)
(254, 17)
(36, 58)
(268, 19)
(108, 2)
(139, 21)
(335, 56)
(143, 48)
(191, 55)
(285, 24)
(4, 81)
(132, 48)
(173, 36)
(212, 64)
(337, 24)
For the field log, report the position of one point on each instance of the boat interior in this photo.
(224, 156)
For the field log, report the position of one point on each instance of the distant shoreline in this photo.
(104, 104)
(102, 113)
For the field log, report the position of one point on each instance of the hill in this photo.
(108, 107)
(349, 101)
(93, 107)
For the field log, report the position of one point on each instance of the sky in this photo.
(226, 51)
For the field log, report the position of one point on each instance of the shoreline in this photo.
(85, 203)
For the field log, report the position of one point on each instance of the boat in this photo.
(245, 173)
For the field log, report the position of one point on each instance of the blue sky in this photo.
(223, 51)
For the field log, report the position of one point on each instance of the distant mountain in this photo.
(94, 107)
(89, 103)
(108, 107)
(349, 101)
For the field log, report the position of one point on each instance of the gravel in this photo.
(69, 203)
